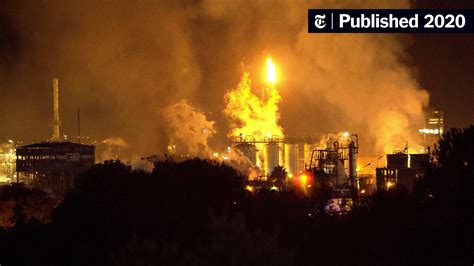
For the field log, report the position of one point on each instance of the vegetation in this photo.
(197, 212)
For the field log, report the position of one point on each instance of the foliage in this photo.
(196, 212)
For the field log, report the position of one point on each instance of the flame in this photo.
(271, 72)
(251, 115)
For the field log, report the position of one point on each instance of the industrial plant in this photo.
(52, 165)
(272, 160)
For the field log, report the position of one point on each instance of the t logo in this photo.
(319, 21)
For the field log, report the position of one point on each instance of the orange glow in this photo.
(249, 188)
(389, 184)
(252, 115)
(303, 179)
(249, 114)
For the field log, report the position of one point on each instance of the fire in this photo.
(271, 72)
(250, 114)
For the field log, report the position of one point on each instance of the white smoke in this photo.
(189, 129)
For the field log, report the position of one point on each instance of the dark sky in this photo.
(123, 62)
(445, 64)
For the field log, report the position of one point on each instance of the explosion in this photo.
(251, 115)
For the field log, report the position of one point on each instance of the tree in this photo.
(19, 216)
(445, 194)
(279, 173)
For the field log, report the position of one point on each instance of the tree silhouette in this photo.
(279, 173)
(19, 216)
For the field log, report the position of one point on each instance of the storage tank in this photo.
(308, 150)
(291, 158)
(271, 157)
(248, 150)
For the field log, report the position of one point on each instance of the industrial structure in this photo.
(52, 166)
(336, 167)
(402, 169)
(307, 163)
(56, 123)
(433, 128)
(267, 153)
(7, 162)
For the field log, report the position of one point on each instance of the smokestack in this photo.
(353, 150)
(78, 126)
(56, 122)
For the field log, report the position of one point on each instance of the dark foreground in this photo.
(197, 213)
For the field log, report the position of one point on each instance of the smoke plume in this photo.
(188, 129)
(120, 62)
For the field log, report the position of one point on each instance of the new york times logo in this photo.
(390, 20)
(319, 21)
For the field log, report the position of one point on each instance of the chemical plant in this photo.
(52, 166)
(275, 161)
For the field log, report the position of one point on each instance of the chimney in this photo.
(56, 122)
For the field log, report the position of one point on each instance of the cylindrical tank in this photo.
(248, 150)
(271, 157)
(353, 167)
(291, 158)
(308, 150)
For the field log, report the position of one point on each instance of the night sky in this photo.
(445, 64)
(120, 64)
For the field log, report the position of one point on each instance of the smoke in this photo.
(120, 62)
(113, 148)
(364, 77)
(115, 141)
(339, 82)
(188, 129)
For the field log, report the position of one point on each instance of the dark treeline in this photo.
(197, 212)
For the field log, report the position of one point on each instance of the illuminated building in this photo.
(402, 169)
(433, 128)
(7, 162)
(52, 166)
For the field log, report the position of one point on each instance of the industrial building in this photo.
(268, 153)
(336, 167)
(307, 164)
(52, 166)
(433, 128)
(402, 169)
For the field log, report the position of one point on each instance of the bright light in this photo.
(389, 184)
(362, 191)
(249, 188)
(431, 131)
(346, 134)
(271, 72)
(303, 179)
(273, 188)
